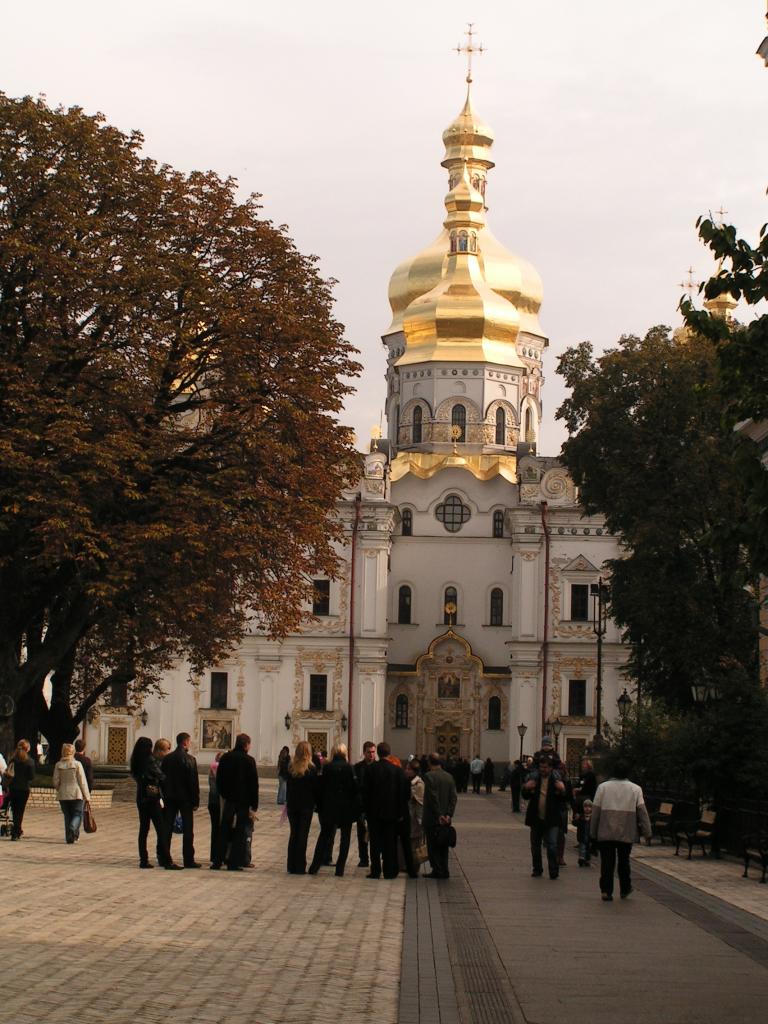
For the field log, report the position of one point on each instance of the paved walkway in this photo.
(535, 950)
(88, 937)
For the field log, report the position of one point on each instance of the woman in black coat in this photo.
(301, 799)
(339, 803)
(489, 775)
(19, 777)
(145, 769)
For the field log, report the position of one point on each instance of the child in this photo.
(582, 820)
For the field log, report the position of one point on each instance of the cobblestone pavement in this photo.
(88, 937)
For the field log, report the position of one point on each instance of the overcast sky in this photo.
(616, 123)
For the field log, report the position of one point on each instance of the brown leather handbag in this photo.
(89, 822)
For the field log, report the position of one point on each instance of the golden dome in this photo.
(467, 150)
(462, 317)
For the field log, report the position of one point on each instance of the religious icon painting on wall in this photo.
(448, 687)
(216, 734)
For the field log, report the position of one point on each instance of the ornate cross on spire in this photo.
(721, 213)
(689, 285)
(469, 49)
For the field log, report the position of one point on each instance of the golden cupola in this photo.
(462, 318)
(468, 142)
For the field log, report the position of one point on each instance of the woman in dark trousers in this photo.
(339, 802)
(145, 769)
(19, 776)
(214, 806)
(489, 775)
(301, 799)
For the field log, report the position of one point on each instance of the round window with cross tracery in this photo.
(452, 513)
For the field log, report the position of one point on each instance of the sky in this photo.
(617, 124)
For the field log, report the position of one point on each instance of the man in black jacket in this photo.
(385, 794)
(546, 800)
(237, 781)
(181, 795)
(369, 756)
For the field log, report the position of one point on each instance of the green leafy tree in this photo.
(170, 379)
(649, 449)
(742, 350)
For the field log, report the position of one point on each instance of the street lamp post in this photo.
(625, 703)
(599, 625)
(521, 731)
(557, 728)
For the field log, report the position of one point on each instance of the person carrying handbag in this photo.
(72, 791)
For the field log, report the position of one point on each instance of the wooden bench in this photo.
(661, 822)
(693, 832)
(756, 849)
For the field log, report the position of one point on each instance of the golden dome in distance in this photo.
(468, 142)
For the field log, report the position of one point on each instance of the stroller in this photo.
(5, 820)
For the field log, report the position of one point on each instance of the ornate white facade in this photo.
(464, 608)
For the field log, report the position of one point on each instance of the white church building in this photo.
(466, 607)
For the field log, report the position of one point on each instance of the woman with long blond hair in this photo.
(19, 776)
(301, 799)
(72, 791)
(339, 802)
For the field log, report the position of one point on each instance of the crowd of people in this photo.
(402, 811)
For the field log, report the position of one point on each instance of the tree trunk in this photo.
(58, 723)
(30, 709)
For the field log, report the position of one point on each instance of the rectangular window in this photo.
(118, 695)
(321, 605)
(577, 696)
(579, 602)
(218, 689)
(318, 692)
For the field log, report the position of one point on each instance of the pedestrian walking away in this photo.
(544, 816)
(71, 791)
(339, 804)
(237, 781)
(146, 771)
(85, 761)
(18, 778)
(414, 835)
(476, 769)
(439, 807)
(618, 814)
(301, 800)
(181, 795)
(515, 785)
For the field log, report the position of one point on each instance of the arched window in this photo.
(462, 241)
(528, 425)
(401, 712)
(498, 523)
(494, 713)
(406, 520)
(450, 606)
(459, 419)
(473, 241)
(497, 606)
(417, 418)
(501, 426)
(453, 239)
(404, 606)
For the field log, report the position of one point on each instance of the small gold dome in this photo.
(468, 141)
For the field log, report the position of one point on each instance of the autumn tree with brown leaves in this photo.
(170, 379)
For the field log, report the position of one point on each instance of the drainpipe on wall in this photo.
(355, 525)
(544, 647)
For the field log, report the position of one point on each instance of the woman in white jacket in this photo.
(72, 791)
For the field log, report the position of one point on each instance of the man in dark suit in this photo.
(385, 793)
(181, 795)
(369, 756)
(439, 804)
(237, 781)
